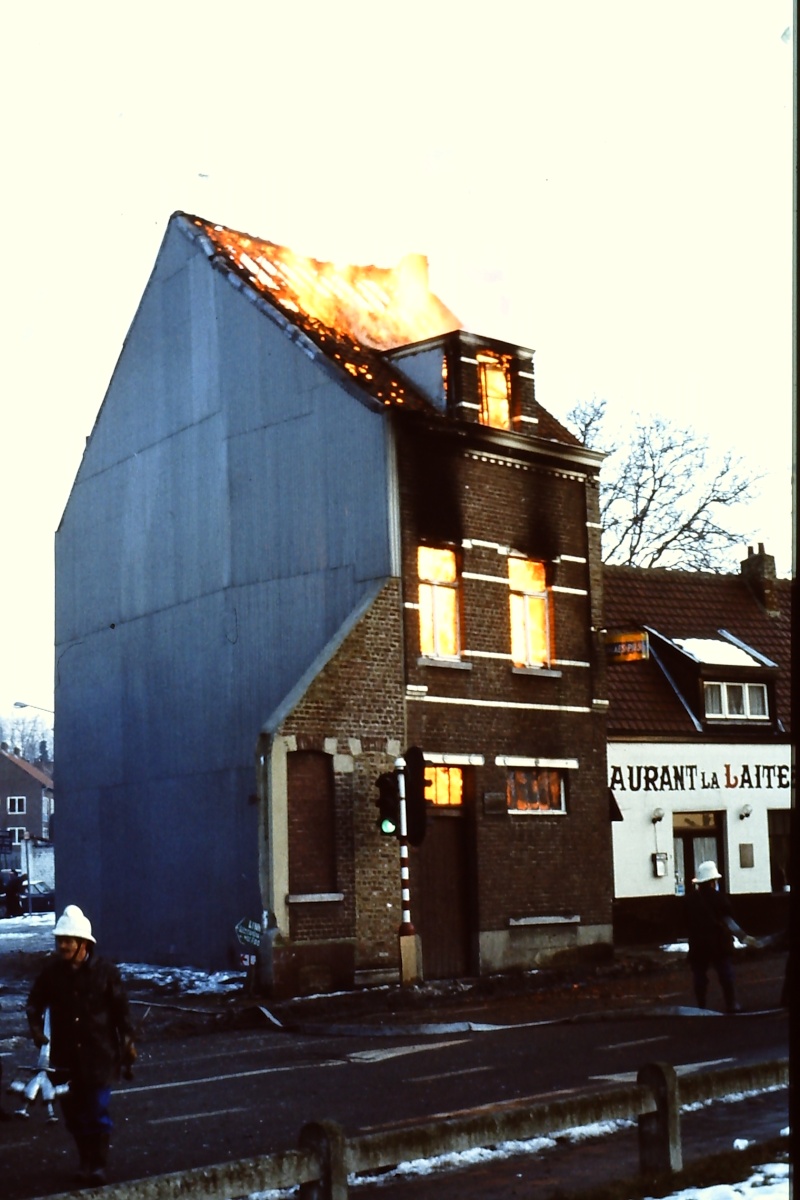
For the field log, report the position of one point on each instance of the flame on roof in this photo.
(351, 312)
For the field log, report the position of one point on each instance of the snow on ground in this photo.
(768, 1182)
(35, 933)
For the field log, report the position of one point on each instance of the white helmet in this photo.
(73, 923)
(706, 872)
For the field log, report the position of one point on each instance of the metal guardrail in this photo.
(325, 1156)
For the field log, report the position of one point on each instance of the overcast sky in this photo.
(607, 182)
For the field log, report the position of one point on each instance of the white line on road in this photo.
(449, 1074)
(640, 1042)
(179, 1083)
(397, 1051)
(220, 1112)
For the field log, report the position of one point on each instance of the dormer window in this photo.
(494, 382)
(736, 701)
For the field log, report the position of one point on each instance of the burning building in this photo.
(317, 523)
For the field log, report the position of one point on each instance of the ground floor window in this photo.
(536, 789)
(444, 786)
(312, 831)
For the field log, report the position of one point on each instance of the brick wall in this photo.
(360, 713)
(534, 864)
(354, 712)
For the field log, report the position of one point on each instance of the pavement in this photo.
(636, 981)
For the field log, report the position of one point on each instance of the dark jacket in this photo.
(89, 1018)
(710, 925)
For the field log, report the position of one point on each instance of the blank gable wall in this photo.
(229, 513)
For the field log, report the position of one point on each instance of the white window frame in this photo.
(540, 812)
(18, 834)
(727, 714)
(17, 806)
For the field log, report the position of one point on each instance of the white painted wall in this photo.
(645, 776)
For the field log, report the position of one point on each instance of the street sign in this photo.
(249, 932)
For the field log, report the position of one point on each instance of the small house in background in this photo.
(699, 756)
(26, 797)
(316, 524)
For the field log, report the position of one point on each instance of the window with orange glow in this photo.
(530, 613)
(444, 786)
(495, 389)
(536, 789)
(438, 603)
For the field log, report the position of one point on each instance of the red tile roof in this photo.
(680, 604)
(29, 768)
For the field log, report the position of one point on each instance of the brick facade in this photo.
(530, 893)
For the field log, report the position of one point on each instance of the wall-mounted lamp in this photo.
(658, 815)
(745, 813)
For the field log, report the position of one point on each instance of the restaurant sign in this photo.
(629, 645)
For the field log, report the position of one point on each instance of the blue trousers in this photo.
(85, 1110)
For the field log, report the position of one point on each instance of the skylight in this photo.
(716, 651)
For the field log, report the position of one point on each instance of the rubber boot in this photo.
(84, 1153)
(731, 1003)
(97, 1147)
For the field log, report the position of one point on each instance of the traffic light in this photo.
(388, 803)
(416, 784)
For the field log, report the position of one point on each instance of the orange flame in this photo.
(376, 307)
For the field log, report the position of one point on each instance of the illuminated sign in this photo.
(629, 645)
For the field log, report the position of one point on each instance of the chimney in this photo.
(758, 571)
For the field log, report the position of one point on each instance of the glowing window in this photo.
(495, 389)
(736, 701)
(530, 613)
(438, 603)
(536, 789)
(445, 786)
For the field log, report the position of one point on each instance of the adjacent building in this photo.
(699, 756)
(26, 796)
(318, 523)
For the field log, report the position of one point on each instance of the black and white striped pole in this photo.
(410, 950)
(405, 878)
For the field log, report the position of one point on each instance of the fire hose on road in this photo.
(40, 1086)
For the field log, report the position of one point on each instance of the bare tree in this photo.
(663, 497)
(30, 738)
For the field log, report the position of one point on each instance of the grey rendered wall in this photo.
(229, 512)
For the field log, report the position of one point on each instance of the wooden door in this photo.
(440, 904)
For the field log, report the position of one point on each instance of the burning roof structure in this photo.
(352, 313)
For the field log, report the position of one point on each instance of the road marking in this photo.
(681, 1069)
(179, 1083)
(220, 1112)
(397, 1051)
(640, 1042)
(449, 1074)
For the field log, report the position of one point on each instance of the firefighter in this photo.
(711, 933)
(91, 1035)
